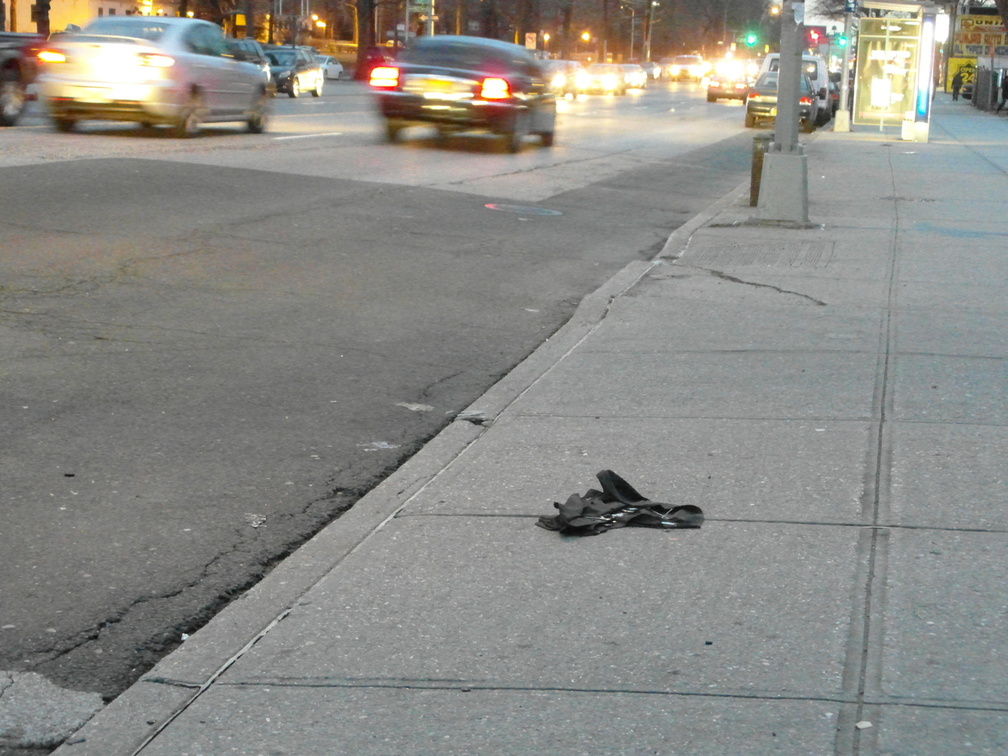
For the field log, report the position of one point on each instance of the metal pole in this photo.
(842, 120)
(646, 53)
(783, 195)
(789, 78)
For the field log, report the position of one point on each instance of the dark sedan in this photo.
(456, 83)
(295, 70)
(761, 102)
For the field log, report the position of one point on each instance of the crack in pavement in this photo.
(721, 274)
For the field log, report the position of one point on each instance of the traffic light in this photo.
(751, 39)
(841, 40)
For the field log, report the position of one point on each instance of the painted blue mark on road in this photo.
(958, 233)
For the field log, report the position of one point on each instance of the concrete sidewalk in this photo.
(833, 398)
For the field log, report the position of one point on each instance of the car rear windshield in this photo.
(281, 57)
(810, 67)
(769, 81)
(150, 30)
(461, 56)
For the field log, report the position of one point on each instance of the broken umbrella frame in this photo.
(617, 505)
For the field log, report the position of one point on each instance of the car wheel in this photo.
(188, 122)
(63, 125)
(548, 138)
(750, 121)
(392, 129)
(519, 130)
(807, 126)
(295, 88)
(259, 114)
(317, 92)
(711, 98)
(13, 99)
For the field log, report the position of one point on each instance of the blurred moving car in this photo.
(295, 70)
(603, 78)
(634, 76)
(761, 102)
(563, 76)
(729, 87)
(730, 80)
(249, 49)
(687, 67)
(375, 55)
(151, 70)
(331, 67)
(457, 83)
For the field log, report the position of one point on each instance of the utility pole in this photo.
(841, 121)
(646, 54)
(784, 183)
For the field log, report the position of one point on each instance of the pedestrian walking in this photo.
(1004, 91)
(957, 82)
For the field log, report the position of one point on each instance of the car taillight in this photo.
(805, 100)
(384, 77)
(51, 56)
(155, 60)
(495, 89)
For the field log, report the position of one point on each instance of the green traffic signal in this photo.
(751, 39)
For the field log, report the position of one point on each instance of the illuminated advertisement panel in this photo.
(885, 91)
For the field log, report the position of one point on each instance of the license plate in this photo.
(773, 111)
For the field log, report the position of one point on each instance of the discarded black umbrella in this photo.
(617, 505)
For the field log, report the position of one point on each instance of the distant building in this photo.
(63, 13)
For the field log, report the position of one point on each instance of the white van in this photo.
(815, 68)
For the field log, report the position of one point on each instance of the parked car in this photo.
(331, 67)
(151, 70)
(251, 50)
(17, 71)
(634, 76)
(563, 75)
(603, 78)
(761, 102)
(457, 83)
(815, 68)
(295, 70)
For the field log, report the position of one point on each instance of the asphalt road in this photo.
(212, 348)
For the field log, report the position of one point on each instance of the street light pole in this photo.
(646, 53)
(841, 121)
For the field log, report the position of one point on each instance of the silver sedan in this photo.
(152, 70)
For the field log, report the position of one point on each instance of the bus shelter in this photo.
(895, 74)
